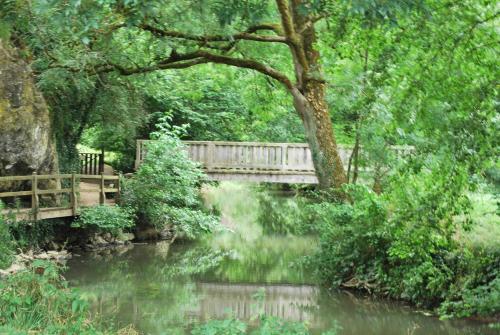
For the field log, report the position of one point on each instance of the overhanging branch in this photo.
(249, 34)
(178, 61)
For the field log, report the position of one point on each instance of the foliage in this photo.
(403, 245)
(221, 327)
(477, 289)
(38, 300)
(165, 189)
(278, 215)
(267, 325)
(414, 73)
(6, 242)
(105, 219)
(34, 235)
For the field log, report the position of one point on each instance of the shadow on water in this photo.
(163, 289)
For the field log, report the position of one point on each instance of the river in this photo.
(238, 272)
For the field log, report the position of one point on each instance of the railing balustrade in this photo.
(91, 163)
(104, 185)
(216, 156)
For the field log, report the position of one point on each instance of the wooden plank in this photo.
(15, 194)
(15, 178)
(54, 191)
(52, 213)
(96, 177)
(90, 190)
(53, 176)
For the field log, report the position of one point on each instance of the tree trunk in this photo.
(309, 95)
(320, 137)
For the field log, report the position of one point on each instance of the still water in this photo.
(239, 272)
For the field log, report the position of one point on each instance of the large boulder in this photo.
(26, 139)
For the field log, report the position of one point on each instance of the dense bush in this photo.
(105, 219)
(6, 243)
(38, 301)
(403, 245)
(166, 189)
(35, 235)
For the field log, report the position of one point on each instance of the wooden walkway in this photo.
(47, 199)
(257, 162)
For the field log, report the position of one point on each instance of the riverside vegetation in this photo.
(376, 73)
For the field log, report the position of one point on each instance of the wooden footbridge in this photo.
(57, 195)
(255, 161)
(63, 195)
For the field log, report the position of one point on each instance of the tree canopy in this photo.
(386, 72)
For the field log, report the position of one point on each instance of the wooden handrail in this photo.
(35, 212)
(91, 163)
(222, 155)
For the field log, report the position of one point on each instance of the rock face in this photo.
(26, 140)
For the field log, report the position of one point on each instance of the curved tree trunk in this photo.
(320, 137)
(309, 94)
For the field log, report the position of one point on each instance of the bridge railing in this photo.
(218, 155)
(251, 155)
(244, 155)
(43, 186)
(91, 163)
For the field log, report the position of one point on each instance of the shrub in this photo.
(106, 219)
(38, 301)
(165, 189)
(477, 290)
(6, 243)
(34, 235)
(353, 240)
(402, 244)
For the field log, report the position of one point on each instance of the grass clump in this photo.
(38, 300)
(6, 243)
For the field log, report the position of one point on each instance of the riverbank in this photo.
(220, 275)
(163, 286)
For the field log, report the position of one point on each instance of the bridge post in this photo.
(74, 200)
(138, 154)
(210, 156)
(284, 149)
(34, 196)
(102, 195)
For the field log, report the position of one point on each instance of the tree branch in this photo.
(286, 17)
(249, 64)
(176, 61)
(246, 35)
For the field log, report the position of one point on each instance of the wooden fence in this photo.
(51, 192)
(91, 163)
(286, 157)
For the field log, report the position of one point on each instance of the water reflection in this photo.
(163, 289)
